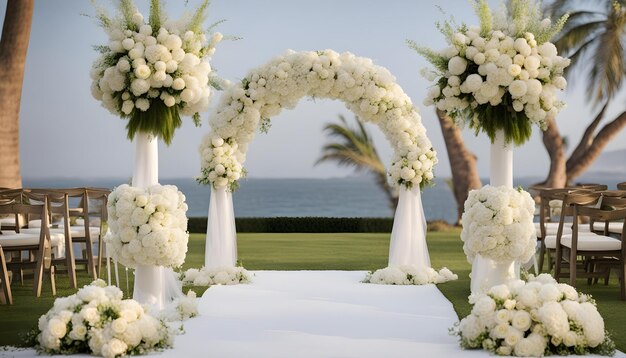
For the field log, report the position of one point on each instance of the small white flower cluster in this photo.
(148, 226)
(368, 90)
(221, 276)
(410, 275)
(180, 309)
(530, 319)
(96, 320)
(142, 64)
(498, 224)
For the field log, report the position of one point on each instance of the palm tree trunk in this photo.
(462, 162)
(13, 48)
(577, 165)
(552, 140)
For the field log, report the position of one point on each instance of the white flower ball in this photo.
(142, 72)
(457, 65)
(178, 84)
(518, 88)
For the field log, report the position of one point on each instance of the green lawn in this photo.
(313, 252)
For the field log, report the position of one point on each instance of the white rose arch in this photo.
(368, 90)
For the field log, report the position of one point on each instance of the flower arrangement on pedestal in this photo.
(503, 75)
(368, 90)
(498, 224)
(409, 275)
(148, 226)
(153, 72)
(534, 318)
(96, 320)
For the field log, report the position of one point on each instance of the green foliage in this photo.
(484, 16)
(128, 9)
(159, 120)
(516, 126)
(301, 224)
(195, 24)
(156, 16)
(435, 59)
(102, 16)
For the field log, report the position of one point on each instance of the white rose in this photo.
(57, 327)
(521, 320)
(178, 84)
(143, 72)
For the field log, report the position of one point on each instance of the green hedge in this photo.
(305, 224)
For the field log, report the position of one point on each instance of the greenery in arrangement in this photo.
(501, 75)
(311, 251)
(154, 72)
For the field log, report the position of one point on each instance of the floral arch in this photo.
(368, 90)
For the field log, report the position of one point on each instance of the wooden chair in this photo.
(621, 186)
(5, 295)
(609, 249)
(547, 228)
(37, 245)
(58, 203)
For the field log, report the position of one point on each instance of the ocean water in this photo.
(256, 197)
(335, 197)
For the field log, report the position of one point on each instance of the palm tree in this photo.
(462, 163)
(13, 47)
(592, 38)
(354, 148)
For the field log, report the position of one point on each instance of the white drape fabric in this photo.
(221, 235)
(154, 285)
(408, 236)
(486, 272)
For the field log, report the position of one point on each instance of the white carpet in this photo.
(319, 314)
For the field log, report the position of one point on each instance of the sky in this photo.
(64, 132)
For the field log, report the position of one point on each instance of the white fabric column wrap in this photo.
(221, 236)
(408, 236)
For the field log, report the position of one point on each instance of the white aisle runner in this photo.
(317, 314)
(320, 314)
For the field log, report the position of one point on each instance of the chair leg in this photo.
(91, 267)
(542, 253)
(557, 263)
(99, 262)
(572, 268)
(53, 286)
(623, 281)
(70, 262)
(6, 283)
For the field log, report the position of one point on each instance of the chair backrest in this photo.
(572, 202)
(621, 186)
(546, 195)
(592, 186)
(57, 200)
(611, 209)
(26, 209)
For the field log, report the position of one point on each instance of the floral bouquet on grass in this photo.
(534, 318)
(502, 75)
(223, 276)
(148, 226)
(96, 320)
(409, 275)
(498, 224)
(153, 72)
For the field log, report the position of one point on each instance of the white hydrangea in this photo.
(498, 224)
(505, 65)
(148, 226)
(98, 316)
(506, 321)
(369, 91)
(160, 58)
